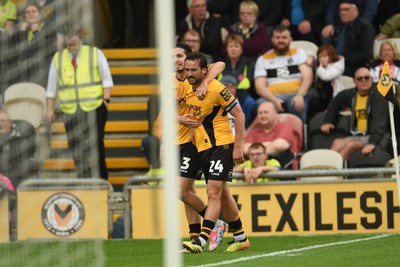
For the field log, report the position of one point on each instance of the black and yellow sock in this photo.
(194, 230)
(206, 231)
(236, 229)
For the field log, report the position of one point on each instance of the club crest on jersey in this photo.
(386, 79)
(226, 95)
(63, 214)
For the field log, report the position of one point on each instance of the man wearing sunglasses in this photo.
(369, 116)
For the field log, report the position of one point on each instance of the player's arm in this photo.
(214, 70)
(237, 113)
(188, 121)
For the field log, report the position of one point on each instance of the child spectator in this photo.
(257, 164)
(330, 68)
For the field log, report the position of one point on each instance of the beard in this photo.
(282, 49)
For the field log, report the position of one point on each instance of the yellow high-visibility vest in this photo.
(81, 85)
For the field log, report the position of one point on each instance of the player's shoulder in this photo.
(216, 84)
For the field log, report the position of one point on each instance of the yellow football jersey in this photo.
(212, 112)
(183, 135)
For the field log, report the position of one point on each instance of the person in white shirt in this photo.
(80, 77)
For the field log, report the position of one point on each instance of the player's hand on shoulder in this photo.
(188, 121)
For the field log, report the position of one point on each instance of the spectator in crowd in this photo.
(255, 34)
(7, 190)
(222, 10)
(270, 12)
(367, 10)
(4, 42)
(277, 137)
(208, 26)
(369, 116)
(8, 15)
(85, 69)
(354, 38)
(246, 101)
(242, 68)
(13, 154)
(390, 29)
(54, 14)
(304, 18)
(181, 10)
(257, 164)
(32, 48)
(193, 39)
(139, 10)
(330, 68)
(387, 52)
(386, 9)
(282, 75)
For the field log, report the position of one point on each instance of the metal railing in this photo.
(290, 174)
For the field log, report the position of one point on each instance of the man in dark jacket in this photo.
(304, 19)
(208, 26)
(369, 116)
(354, 39)
(13, 153)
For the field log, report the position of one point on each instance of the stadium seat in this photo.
(347, 81)
(297, 126)
(321, 159)
(26, 101)
(309, 47)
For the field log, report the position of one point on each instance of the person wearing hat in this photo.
(353, 37)
(246, 102)
(367, 10)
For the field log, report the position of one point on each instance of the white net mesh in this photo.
(32, 148)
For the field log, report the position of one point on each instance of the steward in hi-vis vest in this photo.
(80, 77)
(79, 85)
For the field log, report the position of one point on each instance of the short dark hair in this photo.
(199, 57)
(280, 28)
(73, 32)
(38, 7)
(258, 145)
(186, 48)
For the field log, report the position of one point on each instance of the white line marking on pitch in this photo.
(282, 252)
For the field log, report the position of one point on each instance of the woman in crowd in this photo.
(254, 33)
(32, 48)
(387, 52)
(242, 68)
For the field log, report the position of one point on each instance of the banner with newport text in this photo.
(287, 208)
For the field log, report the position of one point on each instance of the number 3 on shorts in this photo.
(185, 163)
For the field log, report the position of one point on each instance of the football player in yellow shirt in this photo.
(218, 150)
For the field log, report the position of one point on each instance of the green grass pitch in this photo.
(326, 250)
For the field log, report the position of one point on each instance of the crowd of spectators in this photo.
(297, 81)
